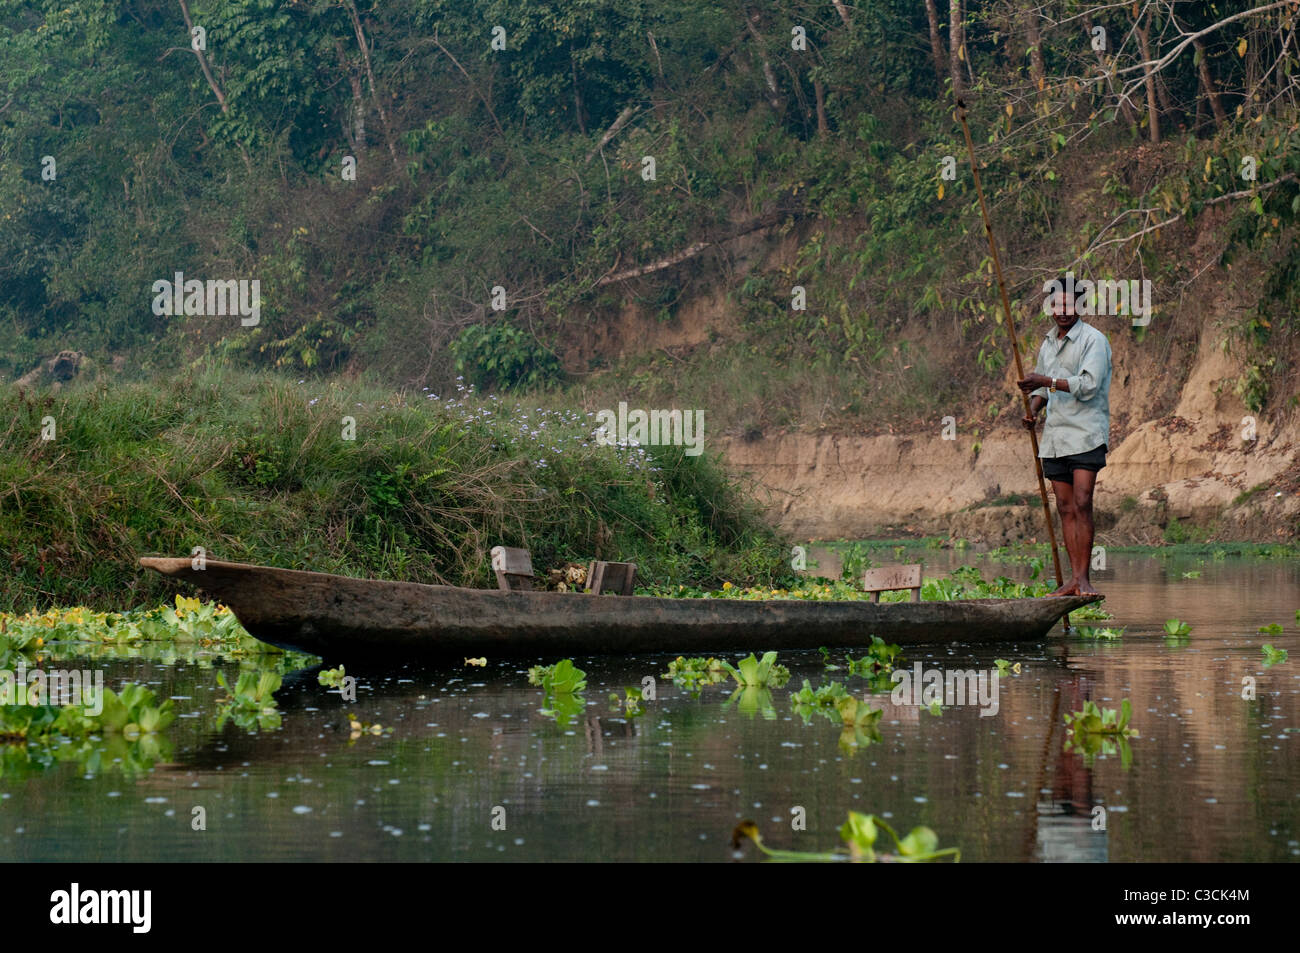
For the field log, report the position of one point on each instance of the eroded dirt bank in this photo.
(1195, 465)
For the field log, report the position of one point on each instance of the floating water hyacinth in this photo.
(823, 700)
(756, 673)
(562, 684)
(860, 834)
(1105, 731)
(188, 620)
(692, 673)
(629, 704)
(251, 703)
(331, 677)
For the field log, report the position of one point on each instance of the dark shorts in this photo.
(1062, 468)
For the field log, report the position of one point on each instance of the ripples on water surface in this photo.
(1213, 777)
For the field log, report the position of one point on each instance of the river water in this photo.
(470, 768)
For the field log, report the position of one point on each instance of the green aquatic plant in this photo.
(251, 703)
(967, 582)
(125, 736)
(826, 659)
(188, 625)
(751, 672)
(1194, 574)
(860, 723)
(1004, 666)
(877, 664)
(692, 673)
(1273, 656)
(1099, 632)
(1273, 628)
(331, 677)
(751, 700)
(629, 704)
(18, 722)
(1105, 721)
(935, 708)
(1092, 612)
(880, 657)
(133, 711)
(562, 678)
(860, 834)
(1104, 731)
(562, 685)
(110, 752)
(1177, 629)
(822, 700)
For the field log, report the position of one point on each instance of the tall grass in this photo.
(257, 469)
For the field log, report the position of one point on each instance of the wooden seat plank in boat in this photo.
(618, 578)
(513, 568)
(889, 578)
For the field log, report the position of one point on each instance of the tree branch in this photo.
(691, 251)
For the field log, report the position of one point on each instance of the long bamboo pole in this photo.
(1015, 343)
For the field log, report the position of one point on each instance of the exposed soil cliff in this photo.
(1193, 465)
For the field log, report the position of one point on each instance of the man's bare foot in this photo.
(1086, 588)
(1070, 588)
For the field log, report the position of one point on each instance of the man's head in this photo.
(1062, 295)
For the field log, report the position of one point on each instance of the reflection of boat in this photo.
(342, 618)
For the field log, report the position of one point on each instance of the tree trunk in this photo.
(819, 91)
(1207, 83)
(1254, 37)
(370, 76)
(769, 75)
(1153, 114)
(1124, 108)
(936, 44)
(842, 11)
(577, 94)
(956, 40)
(1037, 70)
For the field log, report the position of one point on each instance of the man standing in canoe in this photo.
(1072, 379)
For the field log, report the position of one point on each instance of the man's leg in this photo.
(1081, 546)
(1065, 506)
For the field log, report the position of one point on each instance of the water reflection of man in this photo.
(1066, 830)
(1072, 379)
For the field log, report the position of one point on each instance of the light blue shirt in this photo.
(1077, 421)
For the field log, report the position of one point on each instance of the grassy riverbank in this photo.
(342, 477)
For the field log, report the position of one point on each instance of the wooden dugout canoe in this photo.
(344, 619)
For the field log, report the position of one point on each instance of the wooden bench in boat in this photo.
(618, 578)
(513, 568)
(889, 578)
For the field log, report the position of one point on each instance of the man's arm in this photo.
(1035, 385)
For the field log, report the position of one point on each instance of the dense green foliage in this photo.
(515, 159)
